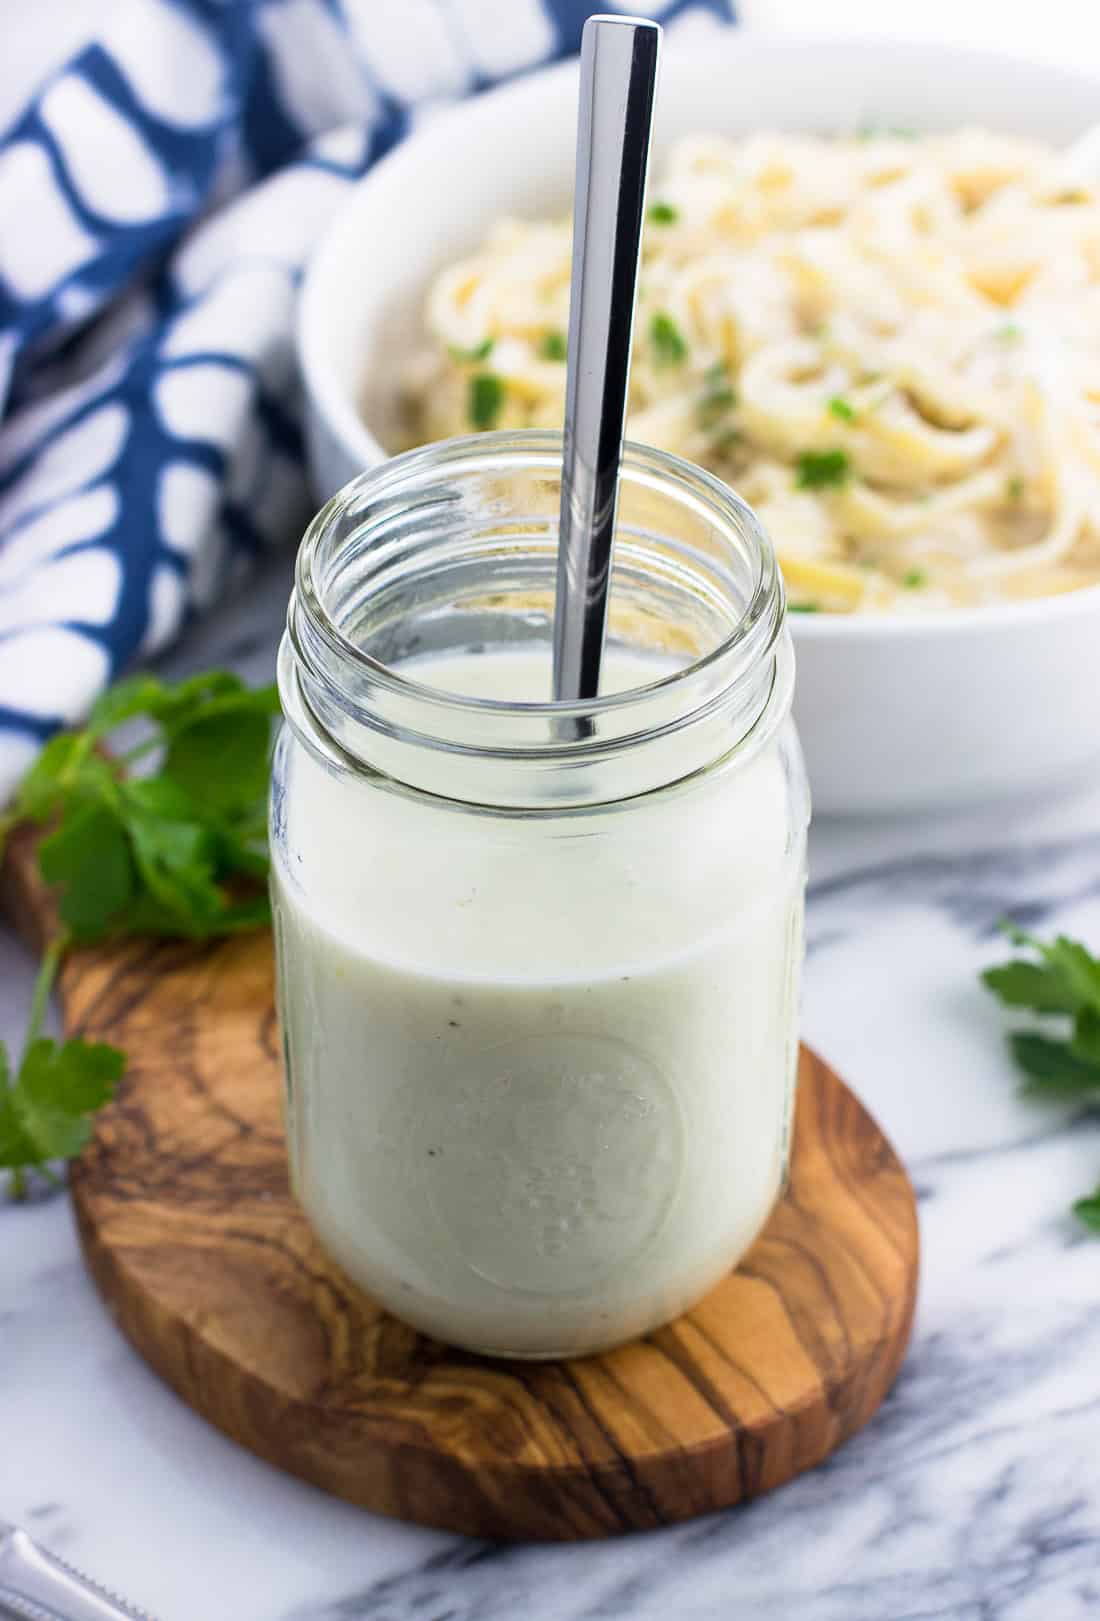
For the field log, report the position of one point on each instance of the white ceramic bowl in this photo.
(894, 713)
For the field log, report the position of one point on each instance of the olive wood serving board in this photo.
(198, 1248)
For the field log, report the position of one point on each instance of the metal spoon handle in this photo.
(618, 86)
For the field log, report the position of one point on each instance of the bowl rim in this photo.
(943, 622)
(337, 409)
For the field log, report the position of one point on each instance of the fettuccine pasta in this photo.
(890, 347)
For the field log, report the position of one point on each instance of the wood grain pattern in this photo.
(197, 1246)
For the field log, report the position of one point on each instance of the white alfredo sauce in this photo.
(540, 1067)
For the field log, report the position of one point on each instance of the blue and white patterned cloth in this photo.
(158, 199)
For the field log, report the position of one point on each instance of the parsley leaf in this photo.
(1070, 969)
(1062, 984)
(808, 607)
(554, 346)
(726, 442)
(842, 409)
(17, 1147)
(139, 695)
(1085, 1041)
(479, 351)
(485, 400)
(45, 1110)
(662, 213)
(91, 858)
(175, 858)
(59, 762)
(58, 1087)
(1030, 985)
(669, 344)
(221, 756)
(1051, 1066)
(1079, 970)
(719, 396)
(155, 853)
(913, 579)
(818, 469)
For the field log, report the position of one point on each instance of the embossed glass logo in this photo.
(556, 1161)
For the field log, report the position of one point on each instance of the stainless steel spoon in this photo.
(618, 85)
(37, 1586)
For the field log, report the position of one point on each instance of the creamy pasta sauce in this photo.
(539, 1087)
(889, 346)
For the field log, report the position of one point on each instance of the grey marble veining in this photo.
(973, 1496)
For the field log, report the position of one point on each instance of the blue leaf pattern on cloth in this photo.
(159, 198)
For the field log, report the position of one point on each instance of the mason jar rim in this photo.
(451, 529)
(692, 484)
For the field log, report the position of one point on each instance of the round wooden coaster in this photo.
(198, 1248)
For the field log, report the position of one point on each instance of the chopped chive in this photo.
(553, 346)
(713, 406)
(914, 578)
(480, 351)
(725, 442)
(819, 468)
(842, 409)
(1014, 489)
(719, 397)
(485, 399)
(662, 214)
(808, 607)
(669, 344)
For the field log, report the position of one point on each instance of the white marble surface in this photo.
(974, 1495)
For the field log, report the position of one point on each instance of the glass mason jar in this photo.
(538, 963)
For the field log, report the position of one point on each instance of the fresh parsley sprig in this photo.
(178, 850)
(1059, 980)
(46, 1107)
(158, 853)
